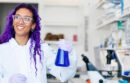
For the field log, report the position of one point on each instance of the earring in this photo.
(32, 30)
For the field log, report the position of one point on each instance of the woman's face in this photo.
(23, 22)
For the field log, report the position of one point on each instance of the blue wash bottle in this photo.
(62, 58)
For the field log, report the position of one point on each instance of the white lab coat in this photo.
(16, 59)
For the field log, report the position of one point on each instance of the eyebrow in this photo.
(24, 16)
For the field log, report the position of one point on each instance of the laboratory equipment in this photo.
(123, 56)
(94, 75)
(62, 58)
(107, 62)
(89, 65)
(114, 62)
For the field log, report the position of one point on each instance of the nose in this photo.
(21, 21)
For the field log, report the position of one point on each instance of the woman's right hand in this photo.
(18, 78)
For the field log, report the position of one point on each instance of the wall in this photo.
(5, 11)
(1, 19)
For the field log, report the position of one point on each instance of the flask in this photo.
(62, 58)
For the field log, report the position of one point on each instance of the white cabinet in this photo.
(61, 19)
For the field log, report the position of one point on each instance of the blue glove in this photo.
(65, 45)
(17, 78)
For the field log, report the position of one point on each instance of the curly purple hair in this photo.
(34, 36)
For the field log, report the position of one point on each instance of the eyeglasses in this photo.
(26, 20)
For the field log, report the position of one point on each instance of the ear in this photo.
(33, 26)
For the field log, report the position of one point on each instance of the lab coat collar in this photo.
(13, 43)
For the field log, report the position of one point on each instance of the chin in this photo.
(20, 34)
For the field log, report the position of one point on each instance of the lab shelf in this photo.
(120, 18)
(55, 42)
(107, 23)
(64, 24)
(51, 42)
(65, 4)
(117, 48)
(100, 4)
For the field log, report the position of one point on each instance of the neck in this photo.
(21, 40)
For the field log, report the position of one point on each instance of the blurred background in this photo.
(96, 28)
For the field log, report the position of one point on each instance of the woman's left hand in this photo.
(65, 45)
(18, 78)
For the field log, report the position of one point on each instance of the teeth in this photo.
(20, 27)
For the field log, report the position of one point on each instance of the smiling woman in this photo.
(5, 9)
(22, 35)
(23, 57)
(23, 24)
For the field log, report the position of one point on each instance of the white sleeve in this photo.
(62, 73)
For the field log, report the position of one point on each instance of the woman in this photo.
(23, 58)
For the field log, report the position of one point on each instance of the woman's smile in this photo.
(19, 27)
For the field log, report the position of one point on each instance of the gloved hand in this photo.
(65, 45)
(17, 78)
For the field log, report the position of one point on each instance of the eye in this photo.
(27, 19)
(17, 17)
